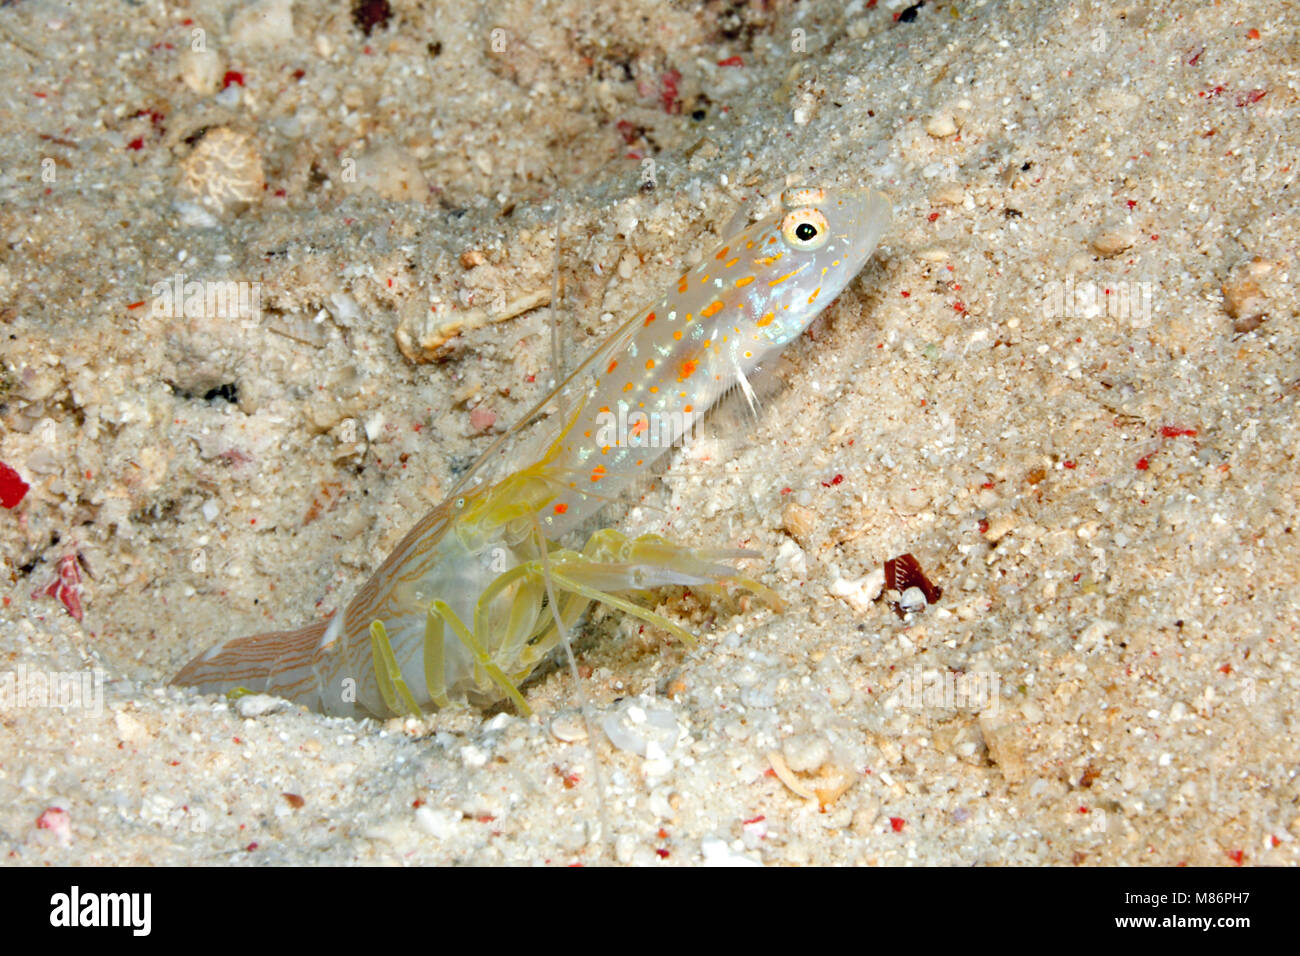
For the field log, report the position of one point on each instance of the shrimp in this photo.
(483, 588)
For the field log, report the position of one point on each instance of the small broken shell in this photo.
(907, 588)
(860, 593)
(642, 725)
(912, 600)
(225, 171)
(1112, 243)
(828, 784)
(569, 727)
(1245, 303)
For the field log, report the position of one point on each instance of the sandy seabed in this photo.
(1067, 383)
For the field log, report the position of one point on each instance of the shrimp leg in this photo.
(392, 686)
(482, 658)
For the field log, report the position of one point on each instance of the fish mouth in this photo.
(862, 216)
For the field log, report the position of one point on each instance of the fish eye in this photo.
(805, 229)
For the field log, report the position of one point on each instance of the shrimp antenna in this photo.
(557, 357)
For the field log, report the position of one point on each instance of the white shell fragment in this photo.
(439, 824)
(1112, 243)
(717, 853)
(941, 125)
(201, 70)
(805, 752)
(263, 23)
(912, 600)
(569, 727)
(643, 726)
(860, 593)
(256, 705)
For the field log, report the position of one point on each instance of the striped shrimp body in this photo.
(482, 588)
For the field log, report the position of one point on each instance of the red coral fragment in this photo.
(66, 586)
(629, 131)
(12, 487)
(668, 91)
(58, 821)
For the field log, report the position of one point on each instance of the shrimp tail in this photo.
(275, 662)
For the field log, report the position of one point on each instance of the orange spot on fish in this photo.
(722, 253)
(649, 318)
(598, 473)
(649, 365)
(560, 508)
(766, 320)
(712, 309)
(686, 369)
(741, 283)
(612, 365)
